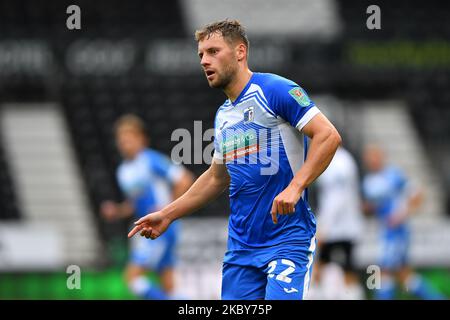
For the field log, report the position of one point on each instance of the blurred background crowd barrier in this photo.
(61, 91)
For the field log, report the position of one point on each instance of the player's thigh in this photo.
(289, 278)
(242, 283)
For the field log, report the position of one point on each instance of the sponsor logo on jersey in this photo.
(240, 145)
(300, 96)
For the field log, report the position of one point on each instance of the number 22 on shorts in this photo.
(282, 276)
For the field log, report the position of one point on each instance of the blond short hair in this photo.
(132, 122)
(231, 30)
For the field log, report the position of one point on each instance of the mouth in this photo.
(210, 74)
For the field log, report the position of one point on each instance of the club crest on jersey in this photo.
(249, 114)
(300, 96)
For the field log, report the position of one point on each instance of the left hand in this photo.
(397, 218)
(285, 202)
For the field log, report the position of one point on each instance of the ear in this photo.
(241, 52)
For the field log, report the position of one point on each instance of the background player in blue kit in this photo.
(393, 199)
(260, 154)
(150, 181)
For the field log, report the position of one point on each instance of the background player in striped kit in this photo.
(150, 181)
(392, 198)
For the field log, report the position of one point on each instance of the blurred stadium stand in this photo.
(51, 193)
(8, 203)
(139, 56)
(317, 20)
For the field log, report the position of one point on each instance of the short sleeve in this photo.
(292, 103)
(218, 155)
(164, 167)
(399, 180)
(218, 151)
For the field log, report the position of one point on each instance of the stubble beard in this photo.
(225, 78)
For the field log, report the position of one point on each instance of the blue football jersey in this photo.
(258, 136)
(147, 180)
(386, 190)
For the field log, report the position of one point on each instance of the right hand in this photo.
(151, 226)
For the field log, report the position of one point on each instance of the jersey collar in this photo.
(250, 81)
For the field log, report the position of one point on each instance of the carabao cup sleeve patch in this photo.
(300, 96)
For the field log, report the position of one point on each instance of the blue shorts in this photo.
(395, 247)
(280, 272)
(155, 255)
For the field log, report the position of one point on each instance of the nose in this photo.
(204, 61)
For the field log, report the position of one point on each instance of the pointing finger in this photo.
(134, 231)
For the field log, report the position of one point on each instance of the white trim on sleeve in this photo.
(307, 117)
(217, 155)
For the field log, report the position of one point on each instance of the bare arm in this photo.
(324, 142)
(183, 184)
(415, 200)
(207, 188)
(111, 210)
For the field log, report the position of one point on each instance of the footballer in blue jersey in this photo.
(391, 197)
(260, 153)
(386, 191)
(149, 181)
(258, 138)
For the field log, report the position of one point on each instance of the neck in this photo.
(234, 89)
(132, 156)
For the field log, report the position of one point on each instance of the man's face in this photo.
(373, 158)
(218, 60)
(129, 142)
